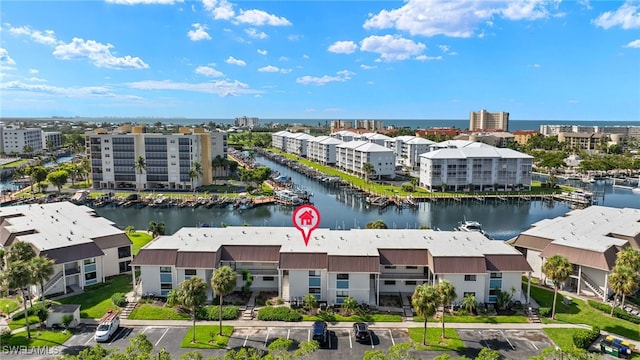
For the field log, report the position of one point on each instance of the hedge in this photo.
(617, 312)
(119, 300)
(584, 338)
(212, 312)
(32, 311)
(278, 313)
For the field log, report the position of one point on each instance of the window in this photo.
(314, 283)
(389, 267)
(411, 267)
(496, 275)
(470, 278)
(165, 275)
(165, 269)
(125, 266)
(124, 251)
(468, 293)
(165, 288)
(342, 276)
(90, 276)
(411, 282)
(268, 278)
(342, 281)
(389, 282)
(89, 261)
(188, 273)
(341, 295)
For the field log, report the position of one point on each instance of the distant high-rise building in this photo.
(16, 140)
(247, 122)
(341, 124)
(484, 120)
(372, 125)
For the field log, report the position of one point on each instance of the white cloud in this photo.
(283, 58)
(85, 91)
(343, 47)
(459, 18)
(208, 71)
(220, 87)
(198, 33)
(255, 33)
(143, 2)
(573, 101)
(444, 48)
(626, 16)
(35, 79)
(274, 69)
(392, 48)
(46, 37)
(634, 44)
(5, 59)
(259, 17)
(262, 52)
(534, 65)
(33, 71)
(341, 76)
(220, 10)
(294, 37)
(425, 57)
(370, 83)
(234, 61)
(367, 67)
(99, 54)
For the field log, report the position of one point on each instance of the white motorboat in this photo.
(471, 226)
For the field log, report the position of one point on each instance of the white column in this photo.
(579, 279)
(528, 287)
(64, 279)
(133, 275)
(606, 287)
(279, 283)
(377, 289)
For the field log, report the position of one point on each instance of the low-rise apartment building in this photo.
(336, 263)
(351, 157)
(583, 141)
(459, 165)
(86, 248)
(588, 238)
(167, 159)
(322, 149)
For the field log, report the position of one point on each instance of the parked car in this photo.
(320, 332)
(361, 332)
(108, 326)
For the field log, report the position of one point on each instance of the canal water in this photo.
(341, 208)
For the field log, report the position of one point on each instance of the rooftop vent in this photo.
(75, 222)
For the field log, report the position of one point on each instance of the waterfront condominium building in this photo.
(296, 143)
(375, 138)
(336, 264)
(86, 249)
(408, 149)
(625, 131)
(130, 158)
(474, 166)
(247, 122)
(484, 120)
(322, 149)
(16, 140)
(278, 139)
(583, 141)
(51, 140)
(345, 135)
(351, 157)
(590, 239)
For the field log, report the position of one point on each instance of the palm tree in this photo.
(192, 294)
(447, 293)
(368, 170)
(18, 276)
(378, 224)
(469, 302)
(223, 282)
(629, 257)
(195, 172)
(156, 228)
(42, 269)
(624, 281)
(85, 169)
(140, 166)
(425, 301)
(216, 163)
(414, 182)
(558, 269)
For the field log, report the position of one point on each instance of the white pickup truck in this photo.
(108, 326)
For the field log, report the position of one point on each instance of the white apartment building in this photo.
(625, 131)
(412, 149)
(375, 138)
(15, 140)
(322, 149)
(296, 143)
(345, 135)
(278, 139)
(589, 238)
(336, 264)
(474, 167)
(352, 155)
(51, 140)
(168, 159)
(484, 120)
(86, 248)
(247, 122)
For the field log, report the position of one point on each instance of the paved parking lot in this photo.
(512, 344)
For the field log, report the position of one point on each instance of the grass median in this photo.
(39, 338)
(207, 337)
(451, 342)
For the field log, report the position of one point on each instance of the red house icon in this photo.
(306, 218)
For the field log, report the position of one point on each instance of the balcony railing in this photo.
(403, 276)
(71, 270)
(263, 272)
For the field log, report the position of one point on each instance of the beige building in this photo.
(583, 141)
(484, 120)
(168, 158)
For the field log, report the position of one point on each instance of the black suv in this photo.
(361, 332)
(320, 332)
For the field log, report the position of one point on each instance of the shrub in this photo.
(280, 313)
(118, 300)
(66, 320)
(41, 312)
(617, 312)
(32, 311)
(279, 301)
(212, 312)
(584, 338)
(310, 302)
(544, 311)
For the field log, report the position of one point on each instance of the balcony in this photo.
(263, 272)
(71, 270)
(403, 276)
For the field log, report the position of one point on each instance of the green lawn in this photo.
(7, 306)
(451, 342)
(152, 312)
(139, 239)
(38, 338)
(371, 318)
(581, 313)
(207, 337)
(517, 319)
(94, 303)
(17, 324)
(562, 337)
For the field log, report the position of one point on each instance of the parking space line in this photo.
(393, 342)
(90, 338)
(371, 339)
(165, 333)
(288, 333)
(506, 338)
(330, 341)
(308, 334)
(350, 343)
(244, 344)
(534, 345)
(115, 335)
(267, 338)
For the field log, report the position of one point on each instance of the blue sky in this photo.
(429, 59)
